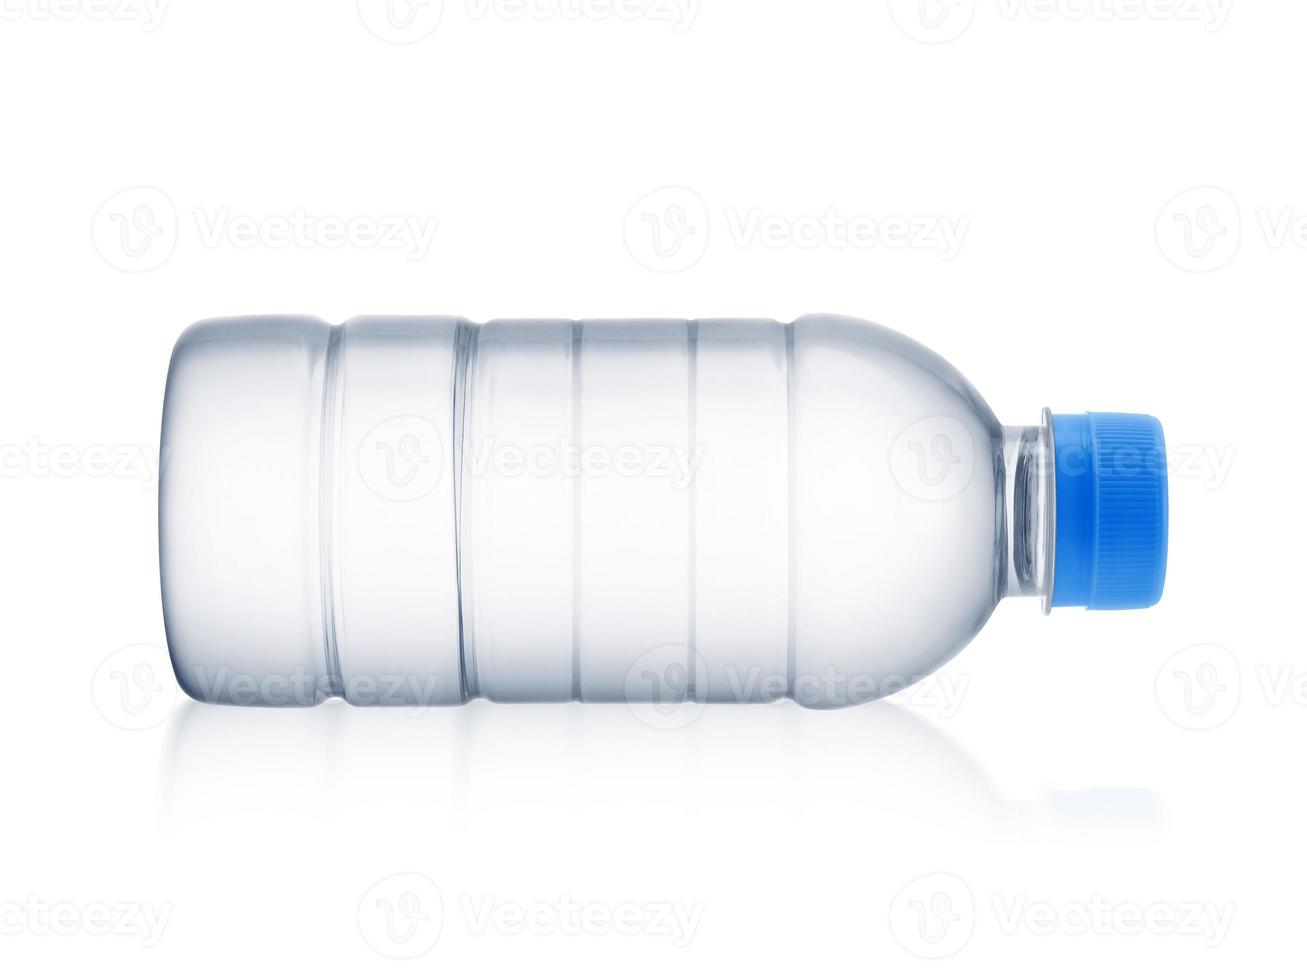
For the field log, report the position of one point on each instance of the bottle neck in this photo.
(1029, 508)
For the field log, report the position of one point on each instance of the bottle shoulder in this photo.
(917, 370)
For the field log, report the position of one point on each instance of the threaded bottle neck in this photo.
(1028, 509)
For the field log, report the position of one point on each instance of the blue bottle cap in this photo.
(1110, 547)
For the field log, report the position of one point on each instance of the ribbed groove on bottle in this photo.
(328, 507)
(464, 366)
(692, 435)
(576, 513)
(792, 461)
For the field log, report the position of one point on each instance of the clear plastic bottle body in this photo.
(425, 510)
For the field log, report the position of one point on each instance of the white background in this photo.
(1110, 792)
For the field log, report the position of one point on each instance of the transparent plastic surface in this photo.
(425, 510)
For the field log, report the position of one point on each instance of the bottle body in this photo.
(425, 510)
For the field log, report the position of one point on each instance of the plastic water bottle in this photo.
(427, 510)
